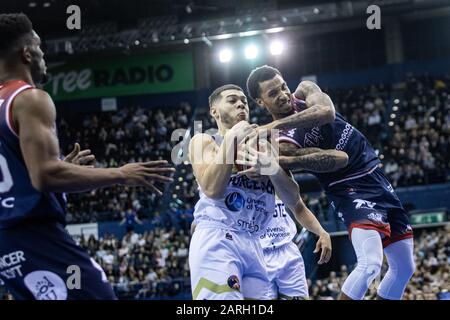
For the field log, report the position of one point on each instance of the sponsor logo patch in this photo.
(46, 285)
(374, 216)
(234, 201)
(233, 282)
(363, 204)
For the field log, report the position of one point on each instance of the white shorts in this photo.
(286, 271)
(227, 265)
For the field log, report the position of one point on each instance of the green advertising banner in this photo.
(122, 76)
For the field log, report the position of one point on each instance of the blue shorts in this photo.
(370, 202)
(41, 261)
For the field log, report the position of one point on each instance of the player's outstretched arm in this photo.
(34, 115)
(212, 164)
(309, 221)
(311, 159)
(319, 111)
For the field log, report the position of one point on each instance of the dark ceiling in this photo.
(49, 16)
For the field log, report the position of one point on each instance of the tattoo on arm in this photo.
(315, 162)
(290, 150)
(308, 118)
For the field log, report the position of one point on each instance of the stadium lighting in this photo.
(275, 30)
(276, 48)
(251, 52)
(225, 55)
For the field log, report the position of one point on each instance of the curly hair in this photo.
(257, 76)
(13, 26)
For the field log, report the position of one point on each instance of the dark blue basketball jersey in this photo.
(339, 135)
(19, 200)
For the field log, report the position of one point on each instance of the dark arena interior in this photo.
(130, 80)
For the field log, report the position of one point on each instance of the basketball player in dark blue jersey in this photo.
(36, 253)
(360, 193)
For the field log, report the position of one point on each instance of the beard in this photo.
(38, 71)
(229, 121)
(39, 77)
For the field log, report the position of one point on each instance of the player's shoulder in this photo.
(33, 98)
(34, 95)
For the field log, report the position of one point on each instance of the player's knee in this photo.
(370, 267)
(373, 269)
(407, 269)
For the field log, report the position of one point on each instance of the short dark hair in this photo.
(215, 95)
(257, 76)
(13, 26)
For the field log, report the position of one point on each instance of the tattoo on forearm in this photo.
(289, 150)
(316, 162)
(308, 118)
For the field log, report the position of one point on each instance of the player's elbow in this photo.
(41, 179)
(329, 115)
(299, 210)
(341, 159)
(40, 182)
(213, 193)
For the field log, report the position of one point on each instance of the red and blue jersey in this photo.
(19, 200)
(339, 135)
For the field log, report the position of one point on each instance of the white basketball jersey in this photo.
(280, 230)
(247, 205)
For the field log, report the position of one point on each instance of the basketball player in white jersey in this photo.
(226, 259)
(284, 262)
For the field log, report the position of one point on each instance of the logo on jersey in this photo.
(228, 236)
(233, 282)
(363, 204)
(346, 133)
(234, 201)
(7, 203)
(46, 285)
(291, 133)
(313, 137)
(374, 216)
(390, 189)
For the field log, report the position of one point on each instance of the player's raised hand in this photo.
(324, 245)
(147, 174)
(263, 162)
(241, 131)
(83, 157)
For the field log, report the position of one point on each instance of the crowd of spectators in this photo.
(418, 149)
(142, 266)
(128, 135)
